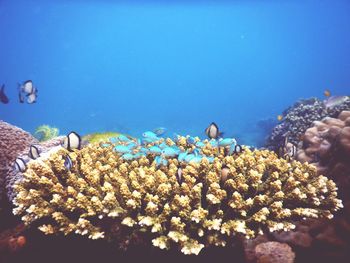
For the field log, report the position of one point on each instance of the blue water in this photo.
(131, 66)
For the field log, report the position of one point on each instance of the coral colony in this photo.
(183, 192)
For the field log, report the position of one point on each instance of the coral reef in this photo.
(299, 117)
(13, 140)
(274, 252)
(188, 205)
(45, 132)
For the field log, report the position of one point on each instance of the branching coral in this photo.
(46, 132)
(104, 196)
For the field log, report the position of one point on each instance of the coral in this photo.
(13, 140)
(13, 175)
(274, 252)
(45, 132)
(299, 117)
(12, 240)
(105, 196)
(100, 136)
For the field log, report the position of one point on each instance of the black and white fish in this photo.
(20, 165)
(213, 131)
(34, 152)
(3, 98)
(288, 150)
(179, 176)
(29, 90)
(72, 141)
(68, 163)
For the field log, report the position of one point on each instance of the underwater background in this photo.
(131, 66)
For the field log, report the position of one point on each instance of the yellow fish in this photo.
(280, 117)
(327, 93)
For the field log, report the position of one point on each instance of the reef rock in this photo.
(13, 141)
(299, 117)
(274, 252)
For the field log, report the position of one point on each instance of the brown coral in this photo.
(104, 196)
(274, 252)
(13, 141)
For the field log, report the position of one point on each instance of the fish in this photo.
(123, 138)
(287, 150)
(161, 161)
(170, 152)
(327, 93)
(149, 134)
(20, 165)
(191, 140)
(3, 98)
(213, 143)
(20, 97)
(155, 150)
(128, 156)
(213, 131)
(122, 149)
(196, 159)
(72, 141)
(234, 149)
(200, 144)
(34, 152)
(27, 87)
(179, 176)
(189, 157)
(182, 156)
(334, 101)
(68, 164)
(159, 131)
(227, 142)
(31, 98)
(279, 117)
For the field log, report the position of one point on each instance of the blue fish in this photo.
(176, 137)
(200, 144)
(161, 161)
(227, 142)
(128, 156)
(155, 150)
(210, 159)
(189, 157)
(122, 149)
(182, 156)
(196, 159)
(113, 140)
(170, 152)
(196, 152)
(139, 155)
(163, 145)
(149, 140)
(149, 134)
(123, 138)
(214, 143)
(132, 145)
(160, 131)
(191, 140)
(144, 150)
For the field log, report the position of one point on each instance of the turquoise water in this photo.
(131, 66)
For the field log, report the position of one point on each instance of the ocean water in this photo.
(131, 66)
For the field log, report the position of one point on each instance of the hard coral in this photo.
(13, 140)
(299, 117)
(104, 196)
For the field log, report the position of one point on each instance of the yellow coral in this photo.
(104, 196)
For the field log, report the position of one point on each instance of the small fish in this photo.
(280, 117)
(31, 98)
(123, 138)
(179, 176)
(20, 97)
(144, 150)
(72, 141)
(163, 145)
(226, 142)
(182, 156)
(189, 157)
(200, 144)
(196, 159)
(113, 140)
(155, 150)
(149, 134)
(327, 93)
(3, 98)
(27, 87)
(191, 140)
(170, 152)
(214, 143)
(161, 161)
(160, 131)
(34, 152)
(128, 156)
(20, 165)
(149, 140)
(122, 149)
(196, 152)
(213, 131)
(68, 164)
